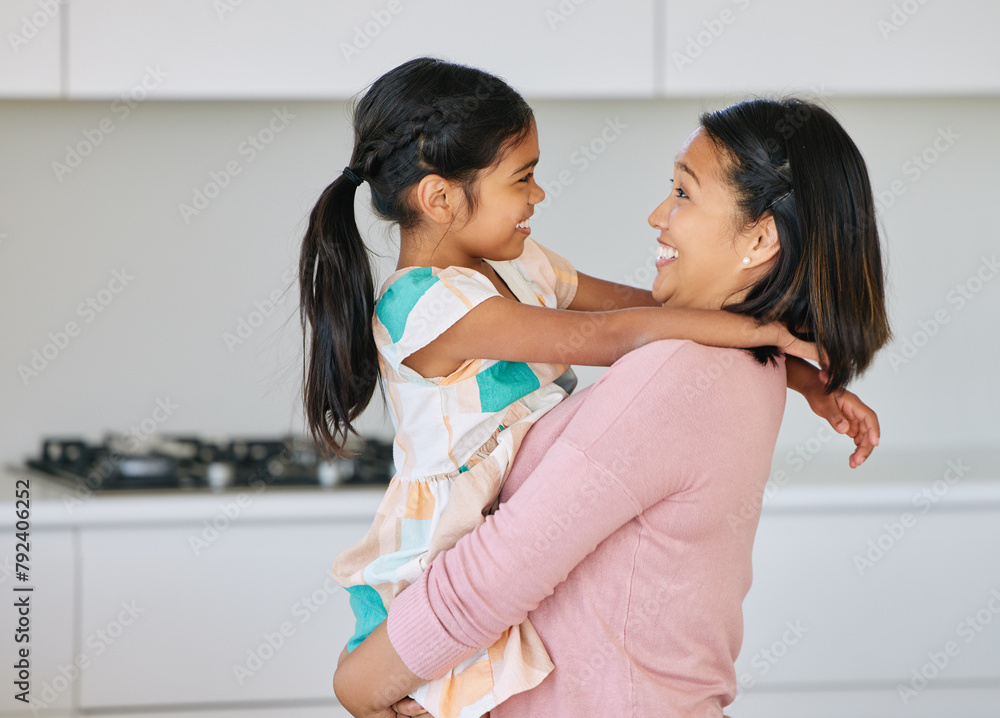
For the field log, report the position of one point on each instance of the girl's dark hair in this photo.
(792, 159)
(424, 117)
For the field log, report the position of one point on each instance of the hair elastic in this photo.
(351, 175)
(780, 198)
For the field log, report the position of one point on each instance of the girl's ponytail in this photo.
(337, 299)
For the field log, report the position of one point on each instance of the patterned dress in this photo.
(456, 437)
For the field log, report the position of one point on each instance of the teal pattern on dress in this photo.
(369, 612)
(504, 383)
(395, 306)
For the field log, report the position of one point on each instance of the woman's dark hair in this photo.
(424, 117)
(792, 159)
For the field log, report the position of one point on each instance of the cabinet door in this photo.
(53, 672)
(251, 616)
(30, 56)
(867, 598)
(320, 49)
(896, 47)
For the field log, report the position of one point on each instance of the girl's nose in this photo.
(537, 194)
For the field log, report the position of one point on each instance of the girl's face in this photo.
(508, 194)
(701, 251)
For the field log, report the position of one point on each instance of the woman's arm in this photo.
(599, 295)
(640, 434)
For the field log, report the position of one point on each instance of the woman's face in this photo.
(701, 250)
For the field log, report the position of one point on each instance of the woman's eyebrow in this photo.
(521, 169)
(688, 170)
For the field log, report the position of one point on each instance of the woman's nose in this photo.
(658, 218)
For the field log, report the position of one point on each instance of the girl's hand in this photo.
(409, 707)
(849, 415)
(789, 344)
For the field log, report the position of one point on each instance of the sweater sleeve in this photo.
(638, 438)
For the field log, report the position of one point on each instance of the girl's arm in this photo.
(846, 413)
(507, 330)
(599, 295)
(353, 682)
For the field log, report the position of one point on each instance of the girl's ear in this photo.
(762, 241)
(434, 198)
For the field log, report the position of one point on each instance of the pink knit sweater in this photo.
(625, 536)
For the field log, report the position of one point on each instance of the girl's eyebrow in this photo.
(688, 170)
(521, 169)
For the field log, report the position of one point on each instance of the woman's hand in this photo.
(409, 707)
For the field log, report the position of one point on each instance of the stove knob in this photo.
(219, 475)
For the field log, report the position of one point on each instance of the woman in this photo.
(622, 531)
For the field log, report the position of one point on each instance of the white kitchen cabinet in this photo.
(51, 645)
(30, 52)
(253, 617)
(859, 618)
(326, 50)
(852, 47)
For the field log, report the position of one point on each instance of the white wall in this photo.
(162, 336)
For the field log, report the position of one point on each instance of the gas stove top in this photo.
(188, 462)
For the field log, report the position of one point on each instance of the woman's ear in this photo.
(433, 198)
(762, 242)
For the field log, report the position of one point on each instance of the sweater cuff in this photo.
(418, 636)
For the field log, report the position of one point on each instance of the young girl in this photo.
(473, 335)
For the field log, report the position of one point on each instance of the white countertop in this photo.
(56, 504)
(960, 479)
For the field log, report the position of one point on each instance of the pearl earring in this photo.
(746, 260)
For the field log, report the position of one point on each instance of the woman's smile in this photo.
(665, 254)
